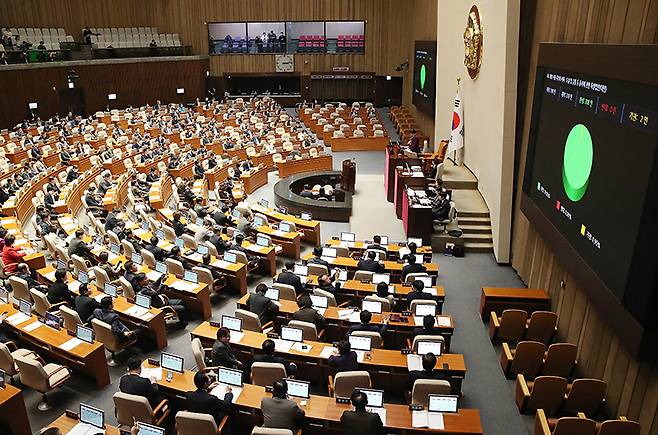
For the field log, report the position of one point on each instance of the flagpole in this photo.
(454, 154)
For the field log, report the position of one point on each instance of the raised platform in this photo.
(337, 211)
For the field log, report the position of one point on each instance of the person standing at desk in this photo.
(222, 354)
(360, 421)
(279, 412)
(203, 402)
(133, 383)
(414, 142)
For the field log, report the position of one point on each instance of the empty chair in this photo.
(317, 269)
(310, 330)
(128, 248)
(363, 275)
(201, 355)
(545, 392)
(526, 359)
(265, 373)
(564, 426)
(509, 327)
(424, 387)
(194, 423)
(20, 288)
(79, 265)
(251, 322)
(174, 267)
(585, 395)
(541, 326)
(560, 360)
(103, 333)
(127, 287)
(8, 354)
(619, 427)
(286, 291)
(344, 383)
(34, 373)
(101, 277)
(149, 258)
(71, 319)
(375, 338)
(129, 408)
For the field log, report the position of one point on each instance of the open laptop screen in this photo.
(229, 376)
(149, 429)
(381, 277)
(372, 306)
(425, 347)
(375, 397)
(348, 237)
(292, 334)
(172, 362)
(232, 323)
(298, 388)
(442, 403)
(360, 343)
(92, 416)
(425, 310)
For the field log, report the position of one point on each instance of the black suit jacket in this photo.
(59, 292)
(85, 306)
(262, 305)
(222, 355)
(179, 228)
(309, 315)
(370, 266)
(157, 252)
(419, 295)
(204, 403)
(317, 260)
(412, 268)
(361, 422)
(372, 327)
(139, 386)
(422, 331)
(290, 278)
(344, 363)
(273, 359)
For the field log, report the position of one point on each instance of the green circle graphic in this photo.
(577, 165)
(423, 74)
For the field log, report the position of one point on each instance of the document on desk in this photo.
(443, 321)
(418, 320)
(151, 372)
(432, 420)
(196, 257)
(183, 286)
(153, 275)
(84, 429)
(236, 337)
(50, 276)
(74, 286)
(379, 411)
(71, 344)
(414, 362)
(140, 232)
(282, 345)
(17, 319)
(355, 317)
(430, 291)
(327, 352)
(136, 311)
(221, 264)
(32, 326)
(345, 314)
(302, 347)
(279, 233)
(220, 391)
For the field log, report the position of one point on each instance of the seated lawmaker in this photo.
(418, 293)
(344, 359)
(106, 314)
(288, 277)
(59, 290)
(369, 264)
(365, 325)
(325, 283)
(376, 245)
(202, 402)
(428, 327)
(222, 354)
(428, 372)
(153, 248)
(279, 411)
(317, 258)
(133, 383)
(261, 305)
(307, 313)
(360, 421)
(268, 356)
(412, 267)
(84, 304)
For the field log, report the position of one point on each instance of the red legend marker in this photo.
(557, 205)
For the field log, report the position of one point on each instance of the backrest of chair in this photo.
(363, 275)
(128, 248)
(188, 241)
(342, 251)
(113, 238)
(619, 427)
(331, 299)
(103, 333)
(310, 330)
(32, 374)
(129, 407)
(174, 267)
(71, 318)
(346, 382)
(6, 360)
(20, 288)
(270, 431)
(240, 256)
(128, 290)
(205, 276)
(574, 426)
(586, 395)
(528, 358)
(250, 321)
(194, 423)
(415, 302)
(199, 354)
(286, 291)
(375, 337)
(149, 258)
(430, 338)
(79, 264)
(560, 359)
(41, 304)
(411, 277)
(512, 325)
(424, 387)
(541, 326)
(547, 393)
(169, 233)
(265, 373)
(101, 277)
(317, 269)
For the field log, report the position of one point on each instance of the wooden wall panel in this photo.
(135, 84)
(632, 386)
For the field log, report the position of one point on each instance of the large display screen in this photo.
(424, 92)
(590, 158)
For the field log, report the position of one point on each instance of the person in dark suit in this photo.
(77, 246)
(370, 264)
(216, 239)
(317, 258)
(177, 225)
(112, 220)
(428, 327)
(59, 290)
(307, 313)
(365, 325)
(428, 372)
(376, 245)
(133, 383)
(261, 305)
(203, 402)
(106, 314)
(85, 304)
(288, 277)
(222, 355)
(412, 252)
(153, 248)
(324, 283)
(175, 254)
(414, 142)
(412, 267)
(360, 421)
(279, 411)
(50, 197)
(268, 356)
(418, 293)
(345, 360)
(220, 218)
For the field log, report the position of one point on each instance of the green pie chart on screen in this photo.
(423, 75)
(577, 165)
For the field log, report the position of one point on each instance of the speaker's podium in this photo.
(348, 177)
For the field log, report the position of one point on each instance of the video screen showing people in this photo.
(266, 37)
(226, 38)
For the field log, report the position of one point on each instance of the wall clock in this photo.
(284, 63)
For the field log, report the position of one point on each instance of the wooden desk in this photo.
(417, 219)
(145, 168)
(388, 368)
(359, 143)
(499, 299)
(392, 161)
(255, 179)
(185, 171)
(321, 411)
(218, 174)
(392, 249)
(17, 156)
(51, 160)
(290, 167)
(88, 359)
(403, 180)
(116, 196)
(336, 328)
(36, 260)
(115, 166)
(290, 242)
(83, 163)
(160, 192)
(13, 412)
(65, 424)
(310, 229)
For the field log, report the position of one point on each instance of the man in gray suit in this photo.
(77, 246)
(279, 411)
(262, 305)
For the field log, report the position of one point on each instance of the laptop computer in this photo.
(306, 216)
(285, 227)
(329, 252)
(381, 277)
(262, 241)
(202, 249)
(301, 270)
(292, 334)
(272, 294)
(230, 257)
(425, 347)
(422, 310)
(53, 321)
(232, 323)
(110, 289)
(375, 397)
(264, 203)
(298, 388)
(190, 276)
(443, 403)
(149, 429)
(319, 301)
(360, 343)
(136, 258)
(174, 363)
(85, 334)
(417, 241)
(143, 301)
(372, 306)
(160, 267)
(25, 307)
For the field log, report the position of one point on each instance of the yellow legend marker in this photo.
(582, 229)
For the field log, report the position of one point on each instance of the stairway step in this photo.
(475, 228)
(472, 213)
(478, 247)
(474, 221)
(477, 238)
